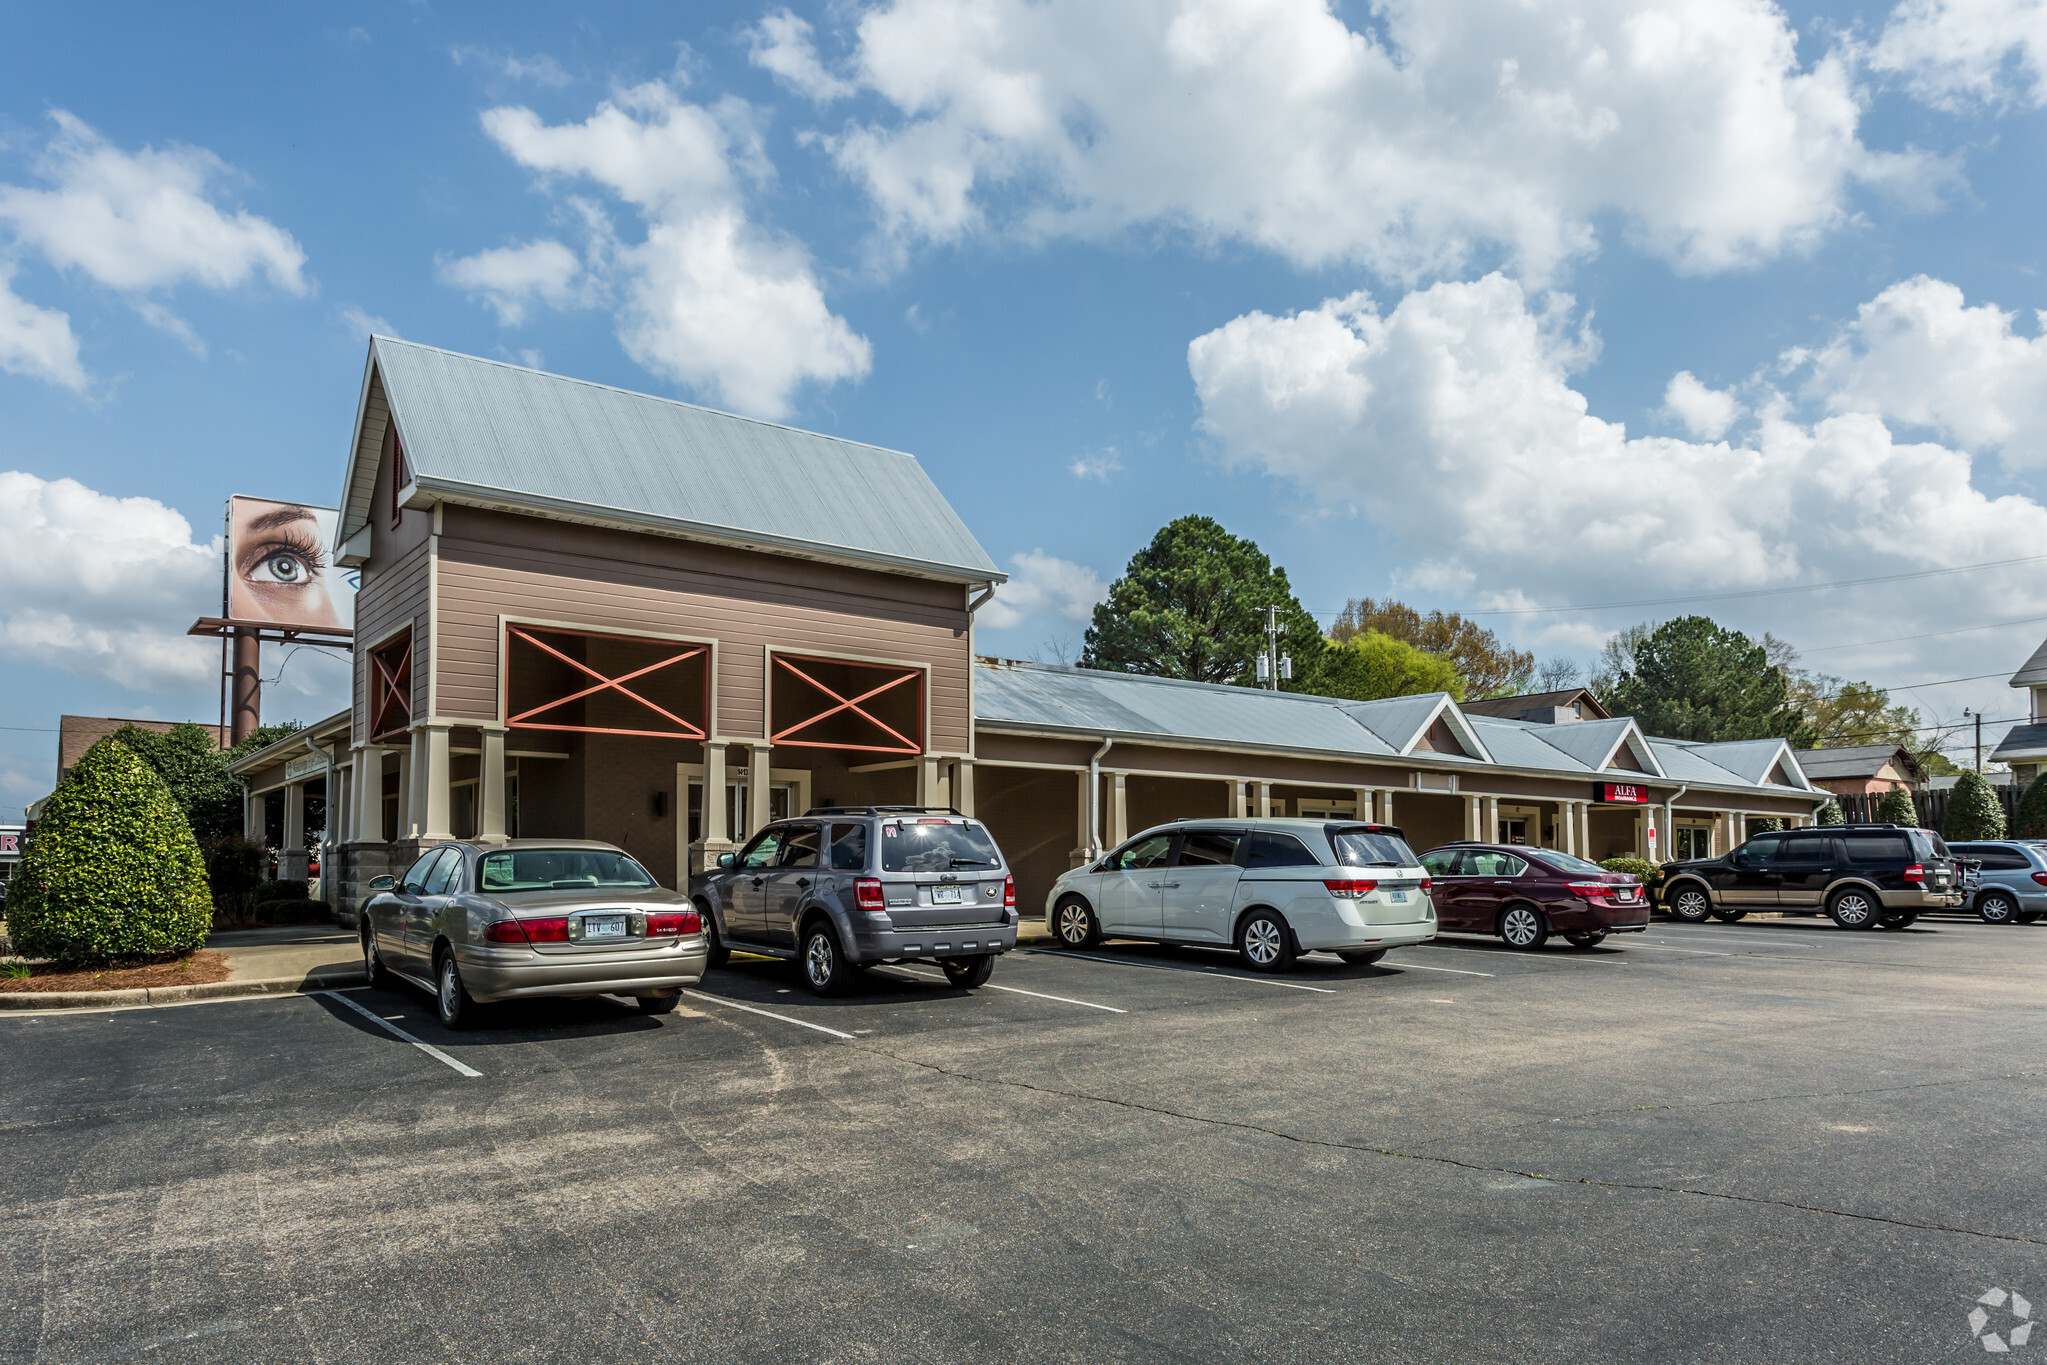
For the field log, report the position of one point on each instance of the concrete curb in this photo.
(165, 995)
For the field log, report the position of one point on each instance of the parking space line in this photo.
(1521, 956)
(1017, 990)
(381, 1022)
(766, 1014)
(1424, 967)
(1192, 971)
(1695, 952)
(1772, 940)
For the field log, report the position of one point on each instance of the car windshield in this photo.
(1363, 848)
(1570, 862)
(561, 869)
(935, 846)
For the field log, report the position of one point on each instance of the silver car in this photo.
(476, 923)
(2011, 886)
(1270, 888)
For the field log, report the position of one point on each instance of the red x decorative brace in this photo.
(848, 704)
(524, 721)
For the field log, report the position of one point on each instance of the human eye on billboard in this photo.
(279, 571)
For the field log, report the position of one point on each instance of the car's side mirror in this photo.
(726, 859)
(383, 883)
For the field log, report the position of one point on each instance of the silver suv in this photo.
(1271, 888)
(2012, 885)
(842, 888)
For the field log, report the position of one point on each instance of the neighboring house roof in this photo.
(484, 433)
(1085, 703)
(1856, 760)
(2033, 672)
(1512, 707)
(2022, 744)
(1947, 783)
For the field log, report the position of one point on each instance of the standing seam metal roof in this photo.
(481, 430)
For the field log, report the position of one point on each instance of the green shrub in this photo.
(1973, 810)
(1649, 872)
(112, 870)
(2029, 821)
(1830, 814)
(1897, 808)
(1764, 826)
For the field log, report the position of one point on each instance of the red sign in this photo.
(1625, 793)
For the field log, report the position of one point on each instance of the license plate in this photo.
(945, 895)
(1397, 897)
(604, 926)
(1626, 895)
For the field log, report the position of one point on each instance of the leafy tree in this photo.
(1973, 810)
(195, 770)
(1557, 674)
(1830, 814)
(1489, 668)
(112, 870)
(1192, 605)
(1371, 665)
(2029, 821)
(1694, 680)
(1839, 713)
(1897, 808)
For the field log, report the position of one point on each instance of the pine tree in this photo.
(2029, 821)
(1973, 811)
(1897, 808)
(1830, 814)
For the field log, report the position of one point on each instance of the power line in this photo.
(1931, 634)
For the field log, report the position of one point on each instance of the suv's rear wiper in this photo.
(973, 862)
(1376, 864)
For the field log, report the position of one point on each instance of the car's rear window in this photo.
(931, 846)
(1363, 848)
(560, 869)
(1570, 862)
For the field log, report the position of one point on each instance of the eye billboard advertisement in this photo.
(280, 568)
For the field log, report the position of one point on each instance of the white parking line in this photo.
(765, 1014)
(1016, 990)
(1196, 971)
(1573, 961)
(428, 1048)
(1774, 940)
(1695, 952)
(1421, 967)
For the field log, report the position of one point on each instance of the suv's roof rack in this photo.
(883, 810)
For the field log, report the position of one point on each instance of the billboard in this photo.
(280, 569)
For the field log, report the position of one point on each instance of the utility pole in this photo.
(1979, 737)
(1272, 648)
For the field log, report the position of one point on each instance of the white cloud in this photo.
(1706, 413)
(1957, 53)
(37, 342)
(138, 221)
(1044, 584)
(540, 68)
(510, 277)
(104, 587)
(1918, 354)
(708, 299)
(366, 324)
(1096, 464)
(1452, 422)
(1452, 127)
(780, 44)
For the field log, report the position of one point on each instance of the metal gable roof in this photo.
(1857, 760)
(1751, 759)
(480, 431)
(1594, 742)
(1684, 763)
(1521, 745)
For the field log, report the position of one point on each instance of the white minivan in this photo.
(1270, 888)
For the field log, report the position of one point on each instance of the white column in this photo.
(1240, 807)
(1362, 797)
(1083, 837)
(1585, 827)
(713, 827)
(931, 782)
(436, 806)
(405, 804)
(963, 785)
(294, 815)
(252, 817)
(490, 809)
(1386, 806)
(1264, 800)
(757, 789)
(1473, 812)
(1119, 810)
(1492, 821)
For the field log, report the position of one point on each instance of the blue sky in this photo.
(1402, 292)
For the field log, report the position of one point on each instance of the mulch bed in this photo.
(196, 968)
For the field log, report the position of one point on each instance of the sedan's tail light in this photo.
(554, 929)
(1351, 890)
(1590, 891)
(867, 894)
(1008, 891)
(505, 931)
(1915, 873)
(675, 925)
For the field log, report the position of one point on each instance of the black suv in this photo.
(1861, 875)
(841, 888)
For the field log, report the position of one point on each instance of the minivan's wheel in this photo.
(824, 966)
(1360, 957)
(1586, 940)
(968, 972)
(1853, 909)
(1265, 942)
(457, 1009)
(1691, 904)
(1075, 925)
(1995, 907)
(1727, 916)
(660, 1004)
(716, 954)
(1522, 927)
(373, 969)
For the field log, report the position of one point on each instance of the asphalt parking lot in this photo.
(1767, 1141)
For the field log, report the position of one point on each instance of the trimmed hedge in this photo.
(112, 870)
(2029, 821)
(1897, 808)
(1649, 873)
(1973, 810)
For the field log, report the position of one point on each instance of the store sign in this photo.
(1624, 793)
(10, 844)
(305, 767)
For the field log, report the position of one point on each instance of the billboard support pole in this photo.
(248, 684)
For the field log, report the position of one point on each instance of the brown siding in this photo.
(494, 563)
(392, 596)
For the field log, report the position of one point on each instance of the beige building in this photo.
(2024, 747)
(596, 614)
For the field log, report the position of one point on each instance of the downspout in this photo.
(1094, 797)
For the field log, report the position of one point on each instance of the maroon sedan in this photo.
(1526, 894)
